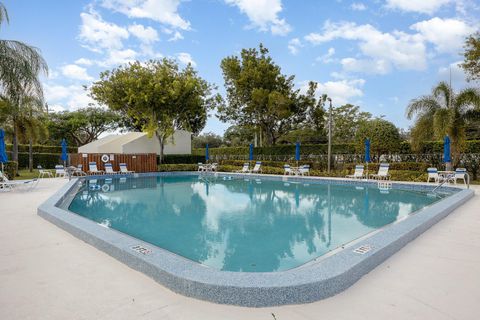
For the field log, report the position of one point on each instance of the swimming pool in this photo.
(249, 240)
(238, 224)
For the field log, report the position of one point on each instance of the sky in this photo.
(377, 54)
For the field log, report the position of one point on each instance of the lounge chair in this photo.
(8, 185)
(92, 169)
(304, 170)
(213, 167)
(124, 169)
(257, 168)
(382, 172)
(433, 175)
(287, 169)
(202, 167)
(60, 171)
(79, 170)
(460, 174)
(42, 173)
(358, 174)
(109, 169)
(245, 168)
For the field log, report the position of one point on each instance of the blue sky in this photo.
(376, 54)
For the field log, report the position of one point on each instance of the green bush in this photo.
(177, 167)
(42, 148)
(46, 160)
(10, 169)
(182, 158)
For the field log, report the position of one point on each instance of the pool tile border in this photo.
(311, 282)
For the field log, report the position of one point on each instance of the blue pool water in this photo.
(239, 225)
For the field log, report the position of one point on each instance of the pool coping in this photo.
(313, 281)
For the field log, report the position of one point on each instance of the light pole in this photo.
(329, 133)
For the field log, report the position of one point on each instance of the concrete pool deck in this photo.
(46, 273)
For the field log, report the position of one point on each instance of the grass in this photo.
(26, 174)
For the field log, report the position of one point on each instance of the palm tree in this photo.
(20, 68)
(444, 112)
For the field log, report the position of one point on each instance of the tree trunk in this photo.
(30, 155)
(15, 142)
(161, 139)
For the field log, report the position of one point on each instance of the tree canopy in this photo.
(471, 63)
(384, 136)
(157, 96)
(261, 97)
(346, 122)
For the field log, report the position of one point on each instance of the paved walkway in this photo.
(46, 273)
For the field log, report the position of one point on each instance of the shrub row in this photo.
(42, 148)
(430, 147)
(46, 160)
(182, 158)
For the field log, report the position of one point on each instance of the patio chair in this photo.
(8, 185)
(124, 169)
(245, 168)
(79, 170)
(109, 169)
(213, 167)
(202, 167)
(460, 174)
(92, 169)
(304, 170)
(358, 174)
(287, 170)
(382, 172)
(42, 173)
(60, 171)
(257, 168)
(432, 175)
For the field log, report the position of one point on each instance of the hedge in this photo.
(182, 158)
(46, 160)
(41, 148)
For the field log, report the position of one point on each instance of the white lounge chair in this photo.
(433, 175)
(79, 170)
(8, 185)
(202, 167)
(60, 171)
(358, 174)
(460, 174)
(213, 167)
(92, 169)
(304, 170)
(109, 169)
(287, 169)
(257, 168)
(382, 172)
(124, 169)
(42, 173)
(245, 168)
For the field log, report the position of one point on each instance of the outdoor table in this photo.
(445, 175)
(295, 170)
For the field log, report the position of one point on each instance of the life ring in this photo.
(105, 158)
(105, 188)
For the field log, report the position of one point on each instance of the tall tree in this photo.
(236, 136)
(471, 63)
(213, 140)
(346, 122)
(157, 96)
(384, 136)
(20, 67)
(260, 96)
(441, 113)
(83, 125)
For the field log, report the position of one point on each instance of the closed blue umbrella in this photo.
(250, 155)
(297, 151)
(446, 150)
(207, 156)
(3, 151)
(367, 151)
(64, 156)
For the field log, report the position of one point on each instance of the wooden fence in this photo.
(139, 162)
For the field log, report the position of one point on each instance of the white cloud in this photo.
(69, 97)
(84, 62)
(327, 57)
(459, 79)
(448, 35)
(163, 11)
(397, 49)
(176, 36)
(421, 6)
(73, 71)
(116, 57)
(341, 91)
(146, 35)
(294, 46)
(98, 34)
(358, 6)
(263, 14)
(365, 66)
(186, 58)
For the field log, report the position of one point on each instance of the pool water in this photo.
(243, 225)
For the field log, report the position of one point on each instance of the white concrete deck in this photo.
(46, 273)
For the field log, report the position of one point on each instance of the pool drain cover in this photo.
(363, 249)
(141, 249)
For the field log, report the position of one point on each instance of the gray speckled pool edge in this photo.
(311, 282)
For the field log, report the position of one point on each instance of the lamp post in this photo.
(329, 134)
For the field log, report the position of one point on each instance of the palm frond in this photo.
(422, 105)
(468, 98)
(3, 14)
(441, 122)
(444, 92)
